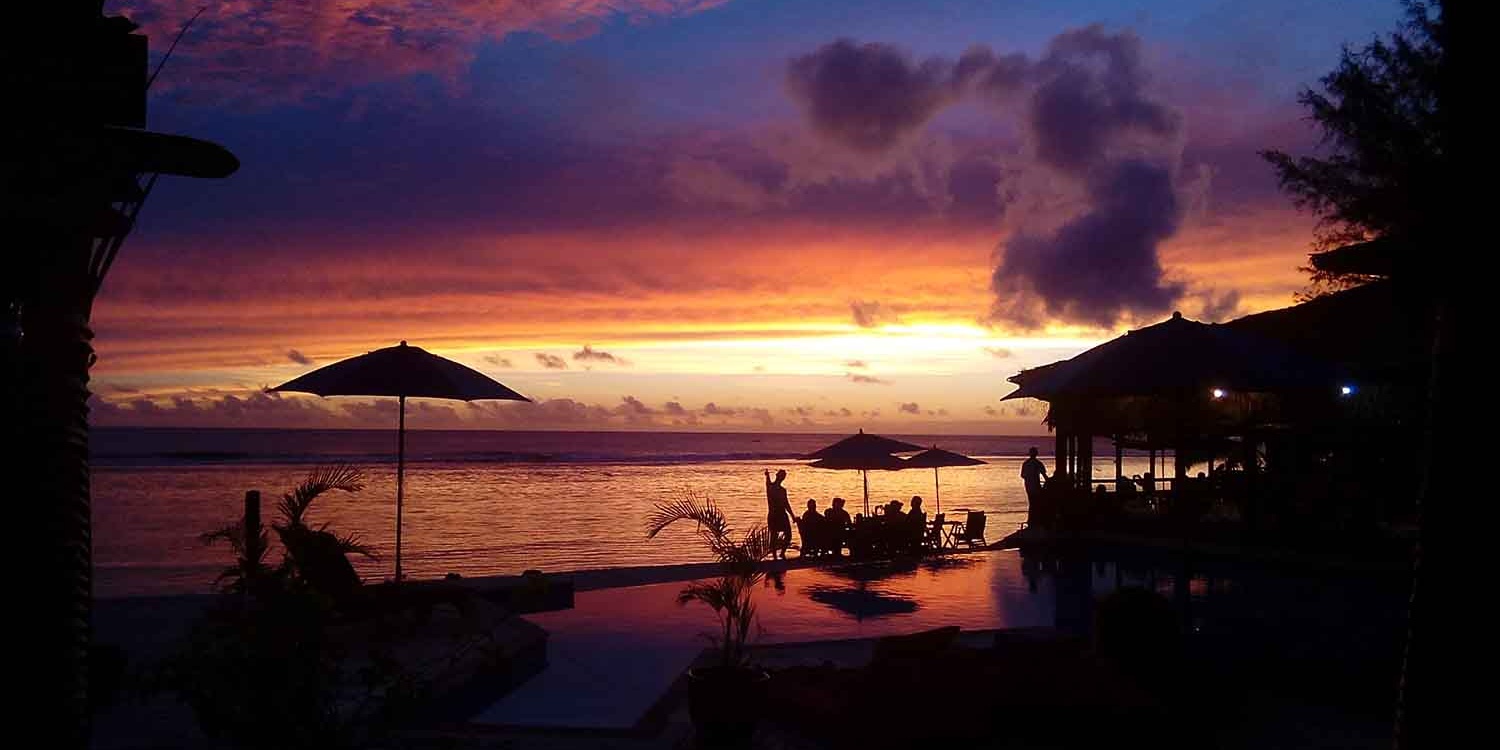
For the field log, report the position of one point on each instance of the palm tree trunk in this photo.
(50, 407)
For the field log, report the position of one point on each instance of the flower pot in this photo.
(725, 704)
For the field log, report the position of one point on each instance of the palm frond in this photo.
(351, 544)
(343, 477)
(710, 520)
(716, 594)
(234, 534)
(731, 596)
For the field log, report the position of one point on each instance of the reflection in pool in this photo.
(617, 650)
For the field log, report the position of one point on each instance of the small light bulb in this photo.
(1346, 390)
(1218, 393)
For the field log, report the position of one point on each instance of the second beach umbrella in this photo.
(935, 458)
(404, 372)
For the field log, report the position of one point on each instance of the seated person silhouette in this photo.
(916, 521)
(813, 537)
(837, 524)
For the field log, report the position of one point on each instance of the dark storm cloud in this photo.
(974, 190)
(298, 357)
(1093, 91)
(871, 97)
(1089, 116)
(551, 361)
(868, 97)
(1102, 265)
(1092, 118)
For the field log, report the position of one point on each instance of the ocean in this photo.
(490, 502)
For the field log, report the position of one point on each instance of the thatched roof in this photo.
(1377, 257)
(1179, 356)
(1376, 332)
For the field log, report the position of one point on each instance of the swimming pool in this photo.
(618, 650)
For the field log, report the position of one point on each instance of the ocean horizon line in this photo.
(658, 430)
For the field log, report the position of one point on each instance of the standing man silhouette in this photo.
(779, 514)
(1033, 473)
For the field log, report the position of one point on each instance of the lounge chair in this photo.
(972, 530)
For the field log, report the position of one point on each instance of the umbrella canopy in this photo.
(1177, 355)
(863, 444)
(935, 458)
(862, 452)
(403, 372)
(884, 461)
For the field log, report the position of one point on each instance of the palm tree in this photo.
(315, 555)
(731, 595)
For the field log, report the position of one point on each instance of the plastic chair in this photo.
(972, 530)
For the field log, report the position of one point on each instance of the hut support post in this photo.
(1085, 459)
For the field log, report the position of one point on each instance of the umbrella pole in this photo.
(936, 490)
(400, 479)
(866, 474)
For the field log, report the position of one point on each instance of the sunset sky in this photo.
(711, 214)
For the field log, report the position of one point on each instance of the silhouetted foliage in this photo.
(1387, 131)
(731, 595)
(314, 556)
(265, 668)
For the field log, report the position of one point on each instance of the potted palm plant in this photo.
(726, 697)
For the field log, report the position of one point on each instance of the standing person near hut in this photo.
(1033, 473)
(779, 514)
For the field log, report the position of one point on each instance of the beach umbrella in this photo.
(935, 458)
(403, 372)
(862, 452)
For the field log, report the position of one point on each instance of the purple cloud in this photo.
(1090, 119)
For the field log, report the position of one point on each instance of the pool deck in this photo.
(639, 703)
(652, 722)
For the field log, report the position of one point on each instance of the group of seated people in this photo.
(889, 531)
(825, 534)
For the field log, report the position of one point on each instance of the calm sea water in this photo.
(488, 502)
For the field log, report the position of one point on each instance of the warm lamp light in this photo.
(1218, 393)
